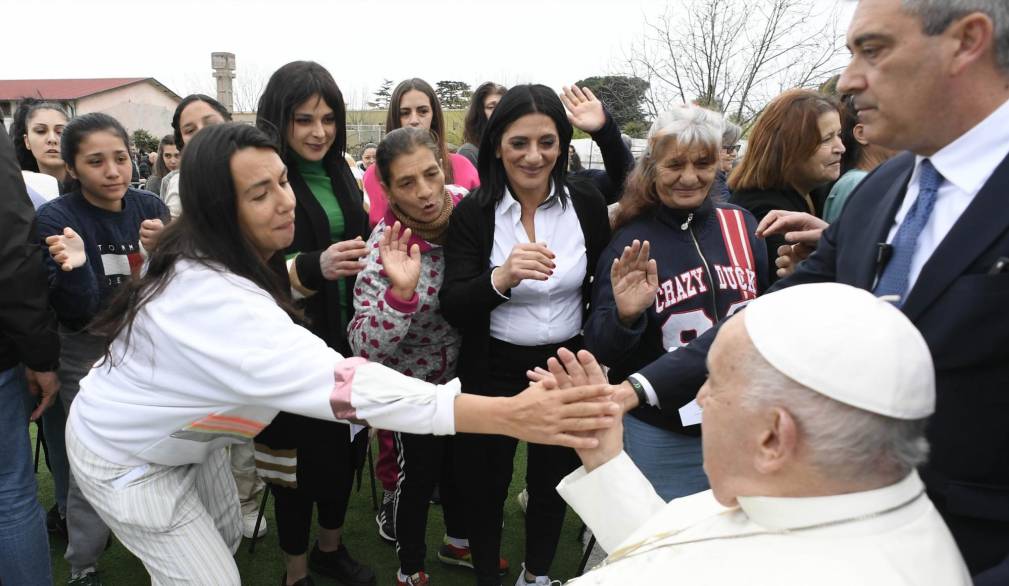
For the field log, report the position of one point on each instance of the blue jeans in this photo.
(671, 461)
(24, 545)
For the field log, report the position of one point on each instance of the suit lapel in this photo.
(882, 221)
(979, 225)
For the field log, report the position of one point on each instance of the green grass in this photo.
(265, 566)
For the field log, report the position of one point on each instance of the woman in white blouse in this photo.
(519, 255)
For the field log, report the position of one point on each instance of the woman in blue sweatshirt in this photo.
(707, 264)
(114, 226)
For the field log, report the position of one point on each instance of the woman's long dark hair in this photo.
(177, 116)
(80, 128)
(518, 102)
(392, 120)
(19, 128)
(160, 169)
(207, 232)
(476, 116)
(289, 87)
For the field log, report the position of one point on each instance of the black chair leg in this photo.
(371, 475)
(585, 556)
(38, 446)
(259, 519)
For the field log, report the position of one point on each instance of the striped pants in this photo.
(183, 522)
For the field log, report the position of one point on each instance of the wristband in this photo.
(639, 390)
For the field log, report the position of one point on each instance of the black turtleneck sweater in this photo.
(701, 280)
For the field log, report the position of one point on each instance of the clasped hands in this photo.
(600, 438)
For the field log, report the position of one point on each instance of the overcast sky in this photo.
(554, 42)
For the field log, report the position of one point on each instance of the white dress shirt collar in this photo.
(969, 161)
(778, 513)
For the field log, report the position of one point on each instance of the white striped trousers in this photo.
(183, 522)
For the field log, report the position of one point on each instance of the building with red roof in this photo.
(137, 102)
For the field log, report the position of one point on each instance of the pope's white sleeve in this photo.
(614, 500)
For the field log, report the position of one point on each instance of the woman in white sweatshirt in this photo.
(205, 349)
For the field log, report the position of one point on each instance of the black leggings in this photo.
(424, 461)
(293, 509)
(484, 466)
(325, 479)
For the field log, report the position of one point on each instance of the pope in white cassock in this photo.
(814, 413)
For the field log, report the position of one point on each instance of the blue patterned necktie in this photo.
(894, 280)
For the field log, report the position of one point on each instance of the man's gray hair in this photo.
(688, 125)
(731, 133)
(937, 15)
(840, 440)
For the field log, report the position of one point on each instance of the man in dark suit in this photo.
(930, 228)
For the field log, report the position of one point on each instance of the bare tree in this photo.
(735, 55)
(248, 87)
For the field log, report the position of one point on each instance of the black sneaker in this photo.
(340, 566)
(386, 518)
(55, 524)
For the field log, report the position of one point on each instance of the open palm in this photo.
(635, 280)
(67, 249)
(400, 261)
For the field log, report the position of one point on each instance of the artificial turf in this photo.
(119, 567)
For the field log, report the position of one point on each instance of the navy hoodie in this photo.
(710, 265)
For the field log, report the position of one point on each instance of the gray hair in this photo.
(731, 134)
(842, 441)
(937, 15)
(687, 125)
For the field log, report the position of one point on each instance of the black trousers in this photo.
(325, 478)
(424, 461)
(484, 466)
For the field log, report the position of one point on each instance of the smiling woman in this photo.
(706, 265)
(793, 154)
(303, 107)
(519, 258)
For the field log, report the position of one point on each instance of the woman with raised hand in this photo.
(679, 262)
(517, 273)
(206, 348)
(398, 322)
(587, 114)
(414, 103)
(303, 106)
(97, 235)
(794, 152)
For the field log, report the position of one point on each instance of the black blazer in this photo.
(28, 330)
(312, 237)
(959, 308)
(467, 296)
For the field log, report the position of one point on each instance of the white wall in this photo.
(141, 105)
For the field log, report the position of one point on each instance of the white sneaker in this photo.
(523, 499)
(249, 525)
(540, 580)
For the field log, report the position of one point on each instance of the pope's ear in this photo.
(778, 441)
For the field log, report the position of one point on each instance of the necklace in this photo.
(654, 541)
